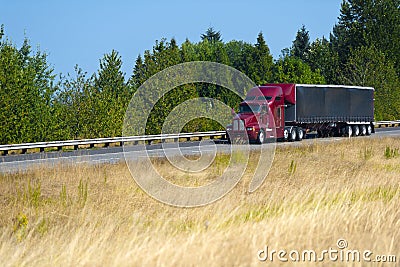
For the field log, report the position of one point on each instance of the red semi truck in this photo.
(289, 112)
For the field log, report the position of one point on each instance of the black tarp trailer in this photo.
(332, 109)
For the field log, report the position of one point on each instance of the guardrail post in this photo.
(41, 149)
(149, 142)
(176, 140)
(59, 148)
(121, 143)
(24, 150)
(5, 152)
(76, 147)
(91, 145)
(187, 139)
(106, 144)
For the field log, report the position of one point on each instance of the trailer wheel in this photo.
(356, 130)
(369, 130)
(342, 131)
(293, 135)
(261, 137)
(299, 134)
(363, 130)
(348, 131)
(336, 132)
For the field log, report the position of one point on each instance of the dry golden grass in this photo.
(97, 215)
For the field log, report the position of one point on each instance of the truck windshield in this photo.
(261, 97)
(249, 108)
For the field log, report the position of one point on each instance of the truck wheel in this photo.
(343, 131)
(293, 135)
(336, 132)
(369, 130)
(299, 134)
(285, 134)
(356, 130)
(363, 130)
(261, 137)
(348, 131)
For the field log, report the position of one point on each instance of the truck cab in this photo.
(260, 115)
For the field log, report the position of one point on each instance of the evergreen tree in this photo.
(261, 62)
(368, 23)
(301, 44)
(111, 96)
(139, 73)
(211, 36)
(26, 89)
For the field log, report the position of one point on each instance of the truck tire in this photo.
(336, 132)
(299, 134)
(356, 130)
(261, 137)
(293, 135)
(363, 130)
(348, 131)
(285, 134)
(369, 130)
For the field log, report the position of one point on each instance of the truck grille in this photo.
(238, 125)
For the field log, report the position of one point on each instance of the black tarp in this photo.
(316, 103)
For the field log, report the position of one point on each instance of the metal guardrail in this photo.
(380, 124)
(4, 149)
(107, 141)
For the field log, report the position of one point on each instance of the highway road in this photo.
(21, 162)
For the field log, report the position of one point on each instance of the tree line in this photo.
(37, 105)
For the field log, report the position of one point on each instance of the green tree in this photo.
(73, 106)
(26, 89)
(294, 70)
(368, 23)
(367, 66)
(139, 73)
(260, 67)
(111, 96)
(301, 44)
(211, 36)
(320, 56)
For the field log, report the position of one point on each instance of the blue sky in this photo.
(81, 32)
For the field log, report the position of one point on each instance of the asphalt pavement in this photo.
(22, 162)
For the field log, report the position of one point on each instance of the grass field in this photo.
(314, 195)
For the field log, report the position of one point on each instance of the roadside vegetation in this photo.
(96, 215)
(39, 105)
